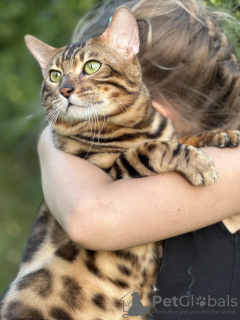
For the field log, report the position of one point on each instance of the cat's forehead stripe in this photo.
(93, 54)
(82, 55)
(71, 51)
(57, 62)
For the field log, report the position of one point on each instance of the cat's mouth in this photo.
(74, 102)
(74, 105)
(79, 104)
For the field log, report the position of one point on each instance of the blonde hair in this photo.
(187, 61)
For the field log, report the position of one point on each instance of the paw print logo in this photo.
(201, 301)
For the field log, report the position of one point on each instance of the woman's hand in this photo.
(103, 214)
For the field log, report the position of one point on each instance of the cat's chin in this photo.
(73, 113)
(75, 110)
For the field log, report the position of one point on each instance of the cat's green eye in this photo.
(55, 76)
(92, 67)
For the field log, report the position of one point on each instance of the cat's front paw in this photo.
(200, 169)
(223, 139)
(215, 138)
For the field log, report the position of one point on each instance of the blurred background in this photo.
(22, 117)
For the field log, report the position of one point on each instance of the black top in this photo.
(199, 277)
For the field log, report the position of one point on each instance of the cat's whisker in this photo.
(104, 118)
(47, 107)
(53, 108)
(122, 106)
(51, 121)
(49, 115)
(95, 126)
(96, 117)
(102, 109)
(48, 118)
(93, 111)
(75, 115)
(94, 133)
(121, 103)
(89, 116)
(54, 118)
(50, 112)
(146, 93)
(118, 100)
(100, 130)
(105, 95)
(92, 118)
(20, 120)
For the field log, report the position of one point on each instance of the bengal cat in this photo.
(100, 111)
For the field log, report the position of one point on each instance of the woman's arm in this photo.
(103, 214)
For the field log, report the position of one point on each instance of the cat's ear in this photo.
(41, 51)
(123, 33)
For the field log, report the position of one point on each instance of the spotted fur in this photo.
(106, 118)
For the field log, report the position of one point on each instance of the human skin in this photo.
(103, 214)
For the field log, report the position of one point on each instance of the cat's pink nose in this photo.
(66, 92)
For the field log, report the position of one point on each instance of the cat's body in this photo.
(105, 117)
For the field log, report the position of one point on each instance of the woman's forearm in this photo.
(109, 215)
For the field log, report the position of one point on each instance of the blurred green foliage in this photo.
(21, 116)
(232, 29)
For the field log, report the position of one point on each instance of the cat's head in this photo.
(98, 78)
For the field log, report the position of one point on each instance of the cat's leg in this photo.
(163, 156)
(216, 138)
